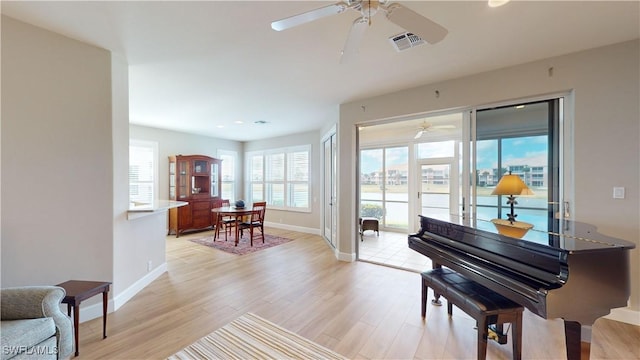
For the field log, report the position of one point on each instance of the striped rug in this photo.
(252, 337)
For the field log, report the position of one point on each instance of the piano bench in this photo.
(482, 304)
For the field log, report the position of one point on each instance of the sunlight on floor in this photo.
(391, 248)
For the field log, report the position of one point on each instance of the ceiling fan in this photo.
(429, 127)
(396, 13)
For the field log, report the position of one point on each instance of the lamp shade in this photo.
(511, 185)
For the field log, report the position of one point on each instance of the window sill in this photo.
(138, 210)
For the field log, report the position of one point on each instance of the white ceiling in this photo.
(195, 66)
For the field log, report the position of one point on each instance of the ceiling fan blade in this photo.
(416, 23)
(419, 134)
(443, 127)
(356, 34)
(308, 16)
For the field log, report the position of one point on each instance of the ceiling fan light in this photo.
(496, 3)
(369, 8)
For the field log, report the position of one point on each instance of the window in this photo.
(280, 177)
(228, 173)
(142, 171)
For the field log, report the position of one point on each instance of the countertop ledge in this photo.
(138, 210)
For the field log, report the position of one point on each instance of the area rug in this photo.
(252, 337)
(244, 247)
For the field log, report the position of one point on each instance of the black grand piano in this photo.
(577, 274)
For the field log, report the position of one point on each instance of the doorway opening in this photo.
(407, 168)
(448, 164)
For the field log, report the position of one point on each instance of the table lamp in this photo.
(511, 185)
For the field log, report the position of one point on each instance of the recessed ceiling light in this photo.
(220, 126)
(239, 122)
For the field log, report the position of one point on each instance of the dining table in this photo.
(231, 211)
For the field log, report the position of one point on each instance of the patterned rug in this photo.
(244, 246)
(252, 337)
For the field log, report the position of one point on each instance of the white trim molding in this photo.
(625, 315)
(94, 311)
(301, 229)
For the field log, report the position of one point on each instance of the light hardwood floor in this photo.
(359, 309)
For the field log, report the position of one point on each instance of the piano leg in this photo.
(573, 338)
(436, 297)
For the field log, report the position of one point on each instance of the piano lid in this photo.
(573, 236)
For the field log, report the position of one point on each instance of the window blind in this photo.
(141, 174)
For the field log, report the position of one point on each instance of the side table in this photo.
(78, 291)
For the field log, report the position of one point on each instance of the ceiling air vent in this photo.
(404, 41)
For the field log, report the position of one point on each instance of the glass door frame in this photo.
(559, 163)
(385, 199)
(329, 189)
(454, 185)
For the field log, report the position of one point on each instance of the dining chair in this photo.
(218, 219)
(256, 221)
(228, 222)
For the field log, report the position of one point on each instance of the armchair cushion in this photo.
(34, 310)
(18, 336)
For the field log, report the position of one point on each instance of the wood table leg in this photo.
(76, 316)
(105, 302)
(237, 229)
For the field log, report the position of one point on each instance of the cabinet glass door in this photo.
(183, 183)
(200, 166)
(172, 181)
(214, 180)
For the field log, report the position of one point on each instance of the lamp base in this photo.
(516, 229)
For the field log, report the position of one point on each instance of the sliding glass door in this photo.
(521, 140)
(449, 164)
(384, 185)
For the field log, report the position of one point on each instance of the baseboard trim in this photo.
(625, 315)
(94, 311)
(585, 334)
(301, 229)
(339, 255)
(348, 257)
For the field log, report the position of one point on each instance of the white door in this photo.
(329, 189)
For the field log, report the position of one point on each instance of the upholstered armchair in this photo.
(32, 324)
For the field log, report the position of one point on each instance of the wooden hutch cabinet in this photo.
(195, 179)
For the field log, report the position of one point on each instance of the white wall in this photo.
(57, 165)
(65, 138)
(139, 241)
(606, 134)
(179, 143)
